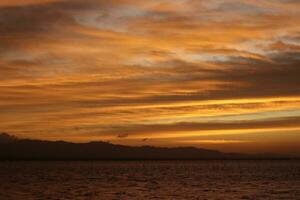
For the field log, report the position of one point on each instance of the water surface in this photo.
(97, 180)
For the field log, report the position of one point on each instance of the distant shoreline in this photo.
(14, 149)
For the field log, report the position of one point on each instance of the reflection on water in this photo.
(150, 180)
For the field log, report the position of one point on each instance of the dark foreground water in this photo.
(144, 180)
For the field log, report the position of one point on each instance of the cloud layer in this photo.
(158, 72)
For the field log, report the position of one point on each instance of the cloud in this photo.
(8, 3)
(186, 128)
(127, 63)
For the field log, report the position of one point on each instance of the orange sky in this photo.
(214, 74)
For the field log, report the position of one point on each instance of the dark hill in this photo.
(17, 149)
(5, 138)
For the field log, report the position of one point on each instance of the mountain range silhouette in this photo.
(12, 148)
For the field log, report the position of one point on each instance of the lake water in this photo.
(144, 180)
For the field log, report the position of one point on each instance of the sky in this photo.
(217, 74)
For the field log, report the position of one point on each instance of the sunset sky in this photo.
(218, 74)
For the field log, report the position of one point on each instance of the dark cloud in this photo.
(161, 129)
(122, 135)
